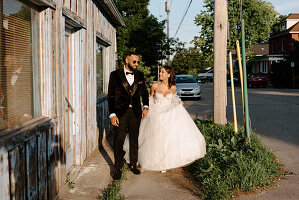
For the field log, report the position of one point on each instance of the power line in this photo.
(183, 18)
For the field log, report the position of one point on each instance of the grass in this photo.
(231, 166)
(112, 191)
(70, 184)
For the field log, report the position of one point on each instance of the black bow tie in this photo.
(129, 73)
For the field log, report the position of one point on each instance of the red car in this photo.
(257, 79)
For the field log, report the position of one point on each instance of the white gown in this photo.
(168, 137)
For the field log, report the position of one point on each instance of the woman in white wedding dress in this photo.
(168, 137)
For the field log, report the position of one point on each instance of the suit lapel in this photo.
(123, 79)
(135, 84)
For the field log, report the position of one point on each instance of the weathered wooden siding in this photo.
(25, 163)
(4, 174)
(33, 159)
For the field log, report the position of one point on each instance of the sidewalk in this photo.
(95, 176)
(91, 179)
(172, 185)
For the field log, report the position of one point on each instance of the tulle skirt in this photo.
(168, 138)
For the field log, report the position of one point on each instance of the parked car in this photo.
(205, 75)
(187, 86)
(236, 80)
(257, 79)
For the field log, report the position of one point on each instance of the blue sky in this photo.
(188, 29)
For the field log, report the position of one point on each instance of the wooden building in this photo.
(55, 61)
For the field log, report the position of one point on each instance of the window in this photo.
(283, 26)
(265, 67)
(100, 68)
(19, 71)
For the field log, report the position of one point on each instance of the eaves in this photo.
(112, 11)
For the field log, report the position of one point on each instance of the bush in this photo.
(231, 165)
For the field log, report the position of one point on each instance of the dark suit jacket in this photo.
(120, 96)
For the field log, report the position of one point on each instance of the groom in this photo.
(126, 85)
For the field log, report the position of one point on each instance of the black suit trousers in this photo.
(132, 122)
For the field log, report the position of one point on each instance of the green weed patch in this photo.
(231, 165)
(113, 189)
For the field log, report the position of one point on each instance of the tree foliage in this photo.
(259, 17)
(143, 32)
(189, 61)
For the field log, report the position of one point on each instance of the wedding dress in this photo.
(168, 137)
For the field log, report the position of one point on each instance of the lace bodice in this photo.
(160, 98)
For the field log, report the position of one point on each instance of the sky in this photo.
(188, 29)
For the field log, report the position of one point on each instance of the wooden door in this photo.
(68, 126)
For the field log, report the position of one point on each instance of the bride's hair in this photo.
(171, 79)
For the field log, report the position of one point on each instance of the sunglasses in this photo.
(134, 62)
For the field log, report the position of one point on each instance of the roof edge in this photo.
(112, 11)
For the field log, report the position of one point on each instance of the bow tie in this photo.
(129, 73)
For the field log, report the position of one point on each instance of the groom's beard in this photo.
(131, 68)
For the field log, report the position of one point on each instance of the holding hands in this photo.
(115, 121)
(145, 111)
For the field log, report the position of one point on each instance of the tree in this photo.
(143, 32)
(259, 17)
(188, 61)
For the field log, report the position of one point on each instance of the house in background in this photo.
(272, 59)
(260, 61)
(281, 42)
(281, 45)
(55, 61)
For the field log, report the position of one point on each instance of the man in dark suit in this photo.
(126, 85)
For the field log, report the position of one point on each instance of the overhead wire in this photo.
(186, 11)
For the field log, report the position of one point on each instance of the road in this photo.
(274, 115)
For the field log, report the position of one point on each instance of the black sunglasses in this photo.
(134, 62)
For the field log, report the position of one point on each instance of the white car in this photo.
(206, 75)
(187, 86)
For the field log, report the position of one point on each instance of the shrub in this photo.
(230, 164)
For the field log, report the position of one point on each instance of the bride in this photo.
(168, 137)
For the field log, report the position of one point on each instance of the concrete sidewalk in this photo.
(174, 184)
(92, 178)
(96, 174)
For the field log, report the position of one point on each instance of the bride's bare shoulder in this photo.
(173, 89)
(155, 85)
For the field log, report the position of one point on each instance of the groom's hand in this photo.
(144, 111)
(114, 121)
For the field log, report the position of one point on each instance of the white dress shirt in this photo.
(130, 79)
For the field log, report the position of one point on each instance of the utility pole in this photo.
(220, 58)
(167, 10)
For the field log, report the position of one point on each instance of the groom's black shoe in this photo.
(134, 169)
(117, 175)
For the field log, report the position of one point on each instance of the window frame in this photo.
(103, 52)
(35, 79)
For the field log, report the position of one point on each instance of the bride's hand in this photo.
(144, 112)
(181, 102)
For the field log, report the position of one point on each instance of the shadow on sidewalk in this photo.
(105, 144)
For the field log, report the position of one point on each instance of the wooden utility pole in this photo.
(220, 40)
